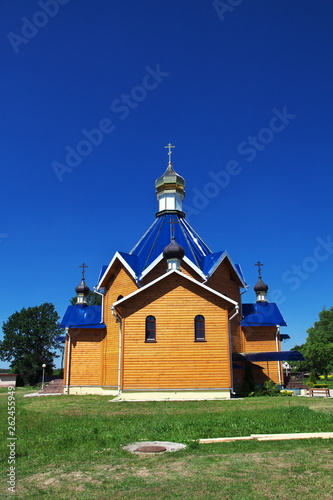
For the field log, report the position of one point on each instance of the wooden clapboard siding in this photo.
(223, 280)
(269, 371)
(122, 284)
(258, 339)
(85, 357)
(191, 272)
(156, 272)
(237, 336)
(262, 339)
(176, 361)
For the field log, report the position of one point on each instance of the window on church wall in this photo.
(199, 328)
(150, 329)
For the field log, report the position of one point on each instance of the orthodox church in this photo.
(172, 324)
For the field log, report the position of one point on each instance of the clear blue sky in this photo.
(244, 92)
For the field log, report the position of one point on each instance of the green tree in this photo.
(93, 299)
(318, 347)
(29, 341)
(299, 366)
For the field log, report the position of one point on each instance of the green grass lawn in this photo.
(71, 447)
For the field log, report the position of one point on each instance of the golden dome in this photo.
(170, 180)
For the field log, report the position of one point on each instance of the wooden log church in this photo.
(172, 323)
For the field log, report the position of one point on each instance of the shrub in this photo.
(286, 393)
(268, 389)
(312, 379)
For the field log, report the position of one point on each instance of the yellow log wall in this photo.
(86, 357)
(123, 284)
(175, 361)
(221, 281)
(262, 339)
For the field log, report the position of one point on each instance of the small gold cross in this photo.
(169, 146)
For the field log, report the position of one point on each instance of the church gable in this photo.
(163, 285)
(121, 283)
(225, 280)
(161, 267)
(154, 273)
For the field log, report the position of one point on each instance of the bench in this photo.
(319, 392)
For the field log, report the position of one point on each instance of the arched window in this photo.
(120, 297)
(199, 328)
(150, 329)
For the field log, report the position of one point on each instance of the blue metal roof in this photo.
(262, 314)
(158, 236)
(101, 273)
(82, 317)
(284, 336)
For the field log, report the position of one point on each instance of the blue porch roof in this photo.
(262, 314)
(82, 317)
(274, 356)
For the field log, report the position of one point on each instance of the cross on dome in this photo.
(172, 227)
(169, 146)
(259, 264)
(83, 269)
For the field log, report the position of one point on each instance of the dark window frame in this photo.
(150, 333)
(199, 328)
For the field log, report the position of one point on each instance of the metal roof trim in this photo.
(185, 276)
(151, 266)
(216, 264)
(125, 264)
(194, 267)
(143, 236)
(223, 256)
(160, 258)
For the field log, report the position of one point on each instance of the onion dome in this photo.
(260, 286)
(170, 180)
(173, 251)
(82, 288)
